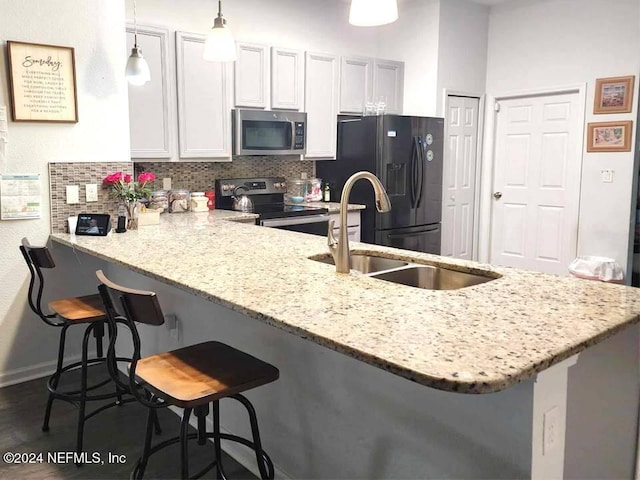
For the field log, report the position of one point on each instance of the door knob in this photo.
(497, 195)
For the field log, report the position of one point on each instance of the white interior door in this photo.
(537, 167)
(459, 192)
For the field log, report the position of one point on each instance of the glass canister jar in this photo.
(179, 201)
(199, 202)
(159, 200)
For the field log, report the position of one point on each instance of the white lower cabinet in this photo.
(353, 225)
(204, 101)
(322, 91)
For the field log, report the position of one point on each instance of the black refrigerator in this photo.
(405, 153)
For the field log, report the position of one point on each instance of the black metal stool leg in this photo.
(152, 417)
(56, 377)
(98, 333)
(184, 443)
(202, 412)
(82, 402)
(220, 475)
(253, 419)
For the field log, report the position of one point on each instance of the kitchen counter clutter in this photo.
(478, 339)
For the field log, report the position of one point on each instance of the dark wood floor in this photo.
(117, 431)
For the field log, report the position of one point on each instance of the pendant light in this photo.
(137, 71)
(219, 45)
(370, 13)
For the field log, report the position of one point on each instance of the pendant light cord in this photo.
(135, 26)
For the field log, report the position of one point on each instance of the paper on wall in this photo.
(20, 196)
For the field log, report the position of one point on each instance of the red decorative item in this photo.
(211, 200)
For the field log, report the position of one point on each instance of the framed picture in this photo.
(613, 95)
(609, 136)
(42, 79)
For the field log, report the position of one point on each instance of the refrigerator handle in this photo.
(414, 174)
(420, 171)
(412, 234)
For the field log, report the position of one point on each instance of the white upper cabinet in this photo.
(356, 83)
(251, 75)
(287, 73)
(388, 84)
(152, 105)
(204, 101)
(321, 103)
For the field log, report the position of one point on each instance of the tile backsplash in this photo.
(194, 176)
(200, 176)
(80, 174)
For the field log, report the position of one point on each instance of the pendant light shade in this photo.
(137, 70)
(219, 45)
(370, 13)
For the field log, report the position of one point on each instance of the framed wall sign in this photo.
(613, 95)
(42, 79)
(609, 136)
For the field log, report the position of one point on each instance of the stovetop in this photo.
(266, 194)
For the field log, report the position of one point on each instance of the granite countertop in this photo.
(478, 339)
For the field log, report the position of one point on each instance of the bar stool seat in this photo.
(191, 378)
(87, 311)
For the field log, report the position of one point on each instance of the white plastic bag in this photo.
(596, 268)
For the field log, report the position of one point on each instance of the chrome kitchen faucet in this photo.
(340, 248)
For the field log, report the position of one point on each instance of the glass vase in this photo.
(133, 212)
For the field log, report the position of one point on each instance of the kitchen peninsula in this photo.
(511, 339)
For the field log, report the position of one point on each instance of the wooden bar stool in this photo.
(87, 311)
(190, 378)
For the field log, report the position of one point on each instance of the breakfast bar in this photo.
(463, 383)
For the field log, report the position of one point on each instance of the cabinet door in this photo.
(388, 83)
(204, 101)
(321, 104)
(152, 105)
(356, 83)
(252, 75)
(287, 72)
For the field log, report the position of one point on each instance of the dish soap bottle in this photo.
(326, 193)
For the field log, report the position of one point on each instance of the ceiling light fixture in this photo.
(219, 45)
(137, 70)
(370, 13)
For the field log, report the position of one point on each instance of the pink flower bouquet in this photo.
(124, 188)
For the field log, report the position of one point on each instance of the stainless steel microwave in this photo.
(265, 132)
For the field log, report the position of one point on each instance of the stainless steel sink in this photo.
(433, 278)
(367, 263)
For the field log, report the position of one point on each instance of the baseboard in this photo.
(39, 370)
(240, 454)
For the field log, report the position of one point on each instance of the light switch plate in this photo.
(607, 176)
(166, 183)
(73, 194)
(91, 190)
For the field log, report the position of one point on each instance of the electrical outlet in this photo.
(73, 194)
(550, 430)
(166, 183)
(91, 190)
(173, 325)
(607, 176)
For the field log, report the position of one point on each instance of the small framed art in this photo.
(613, 95)
(609, 136)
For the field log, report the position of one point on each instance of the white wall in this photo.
(535, 44)
(413, 39)
(95, 30)
(462, 48)
(320, 25)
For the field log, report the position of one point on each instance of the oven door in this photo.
(313, 224)
(269, 133)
